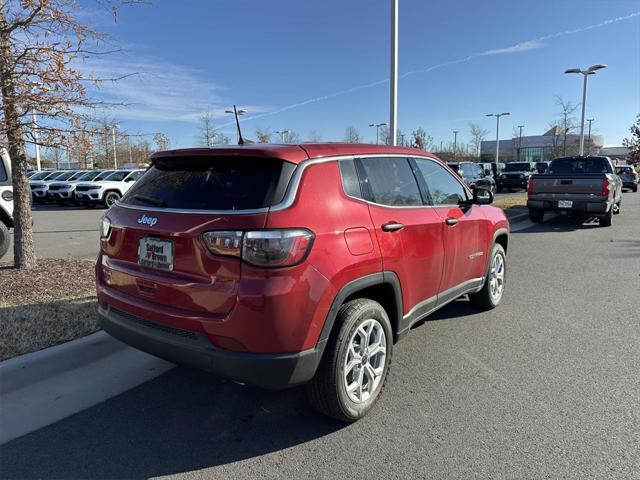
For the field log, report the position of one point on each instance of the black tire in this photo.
(634, 189)
(536, 215)
(327, 391)
(607, 219)
(110, 198)
(4, 239)
(618, 209)
(484, 299)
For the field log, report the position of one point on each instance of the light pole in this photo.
(113, 137)
(237, 112)
(33, 86)
(497, 115)
(520, 127)
(282, 134)
(455, 144)
(585, 73)
(393, 97)
(590, 120)
(377, 125)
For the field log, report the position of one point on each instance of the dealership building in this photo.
(539, 148)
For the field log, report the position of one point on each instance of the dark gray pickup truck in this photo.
(585, 186)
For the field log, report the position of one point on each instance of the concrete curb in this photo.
(41, 388)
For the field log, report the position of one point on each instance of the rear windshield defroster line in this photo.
(212, 183)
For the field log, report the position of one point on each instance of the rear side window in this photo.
(212, 183)
(443, 187)
(390, 181)
(350, 182)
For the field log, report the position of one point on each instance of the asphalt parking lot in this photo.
(64, 231)
(546, 386)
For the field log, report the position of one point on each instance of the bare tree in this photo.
(633, 142)
(222, 139)
(43, 44)
(478, 135)
(162, 141)
(263, 135)
(207, 131)
(314, 136)
(420, 139)
(351, 135)
(567, 109)
(292, 137)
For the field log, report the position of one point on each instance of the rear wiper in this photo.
(150, 200)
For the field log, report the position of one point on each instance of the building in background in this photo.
(539, 148)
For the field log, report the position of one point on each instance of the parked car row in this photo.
(81, 187)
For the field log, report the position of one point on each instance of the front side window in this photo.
(390, 181)
(443, 187)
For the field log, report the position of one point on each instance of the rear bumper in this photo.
(629, 184)
(512, 182)
(579, 206)
(272, 371)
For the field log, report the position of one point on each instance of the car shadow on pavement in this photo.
(562, 223)
(45, 207)
(182, 421)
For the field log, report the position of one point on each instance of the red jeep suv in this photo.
(278, 265)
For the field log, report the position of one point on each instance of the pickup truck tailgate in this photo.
(565, 185)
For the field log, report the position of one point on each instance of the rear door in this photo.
(156, 249)
(464, 229)
(409, 232)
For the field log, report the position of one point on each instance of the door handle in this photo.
(392, 227)
(451, 221)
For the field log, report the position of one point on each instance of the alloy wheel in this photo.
(365, 361)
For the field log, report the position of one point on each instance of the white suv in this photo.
(107, 191)
(63, 191)
(6, 201)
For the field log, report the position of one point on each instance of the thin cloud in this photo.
(520, 47)
(525, 46)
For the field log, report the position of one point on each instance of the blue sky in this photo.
(309, 65)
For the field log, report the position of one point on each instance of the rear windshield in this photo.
(212, 183)
(517, 167)
(578, 166)
(624, 170)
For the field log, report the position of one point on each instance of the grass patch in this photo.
(50, 304)
(509, 202)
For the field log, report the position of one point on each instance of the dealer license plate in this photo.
(156, 253)
(565, 203)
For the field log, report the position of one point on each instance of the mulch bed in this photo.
(47, 305)
(50, 280)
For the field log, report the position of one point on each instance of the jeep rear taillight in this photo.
(606, 188)
(262, 248)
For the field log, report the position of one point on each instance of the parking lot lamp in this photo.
(498, 115)
(282, 134)
(455, 144)
(585, 73)
(377, 125)
(590, 120)
(113, 137)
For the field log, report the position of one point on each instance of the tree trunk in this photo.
(24, 255)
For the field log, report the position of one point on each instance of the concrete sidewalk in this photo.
(40, 388)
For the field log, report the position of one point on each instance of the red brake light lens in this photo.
(262, 248)
(276, 248)
(606, 188)
(530, 186)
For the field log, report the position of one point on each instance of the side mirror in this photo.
(482, 196)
